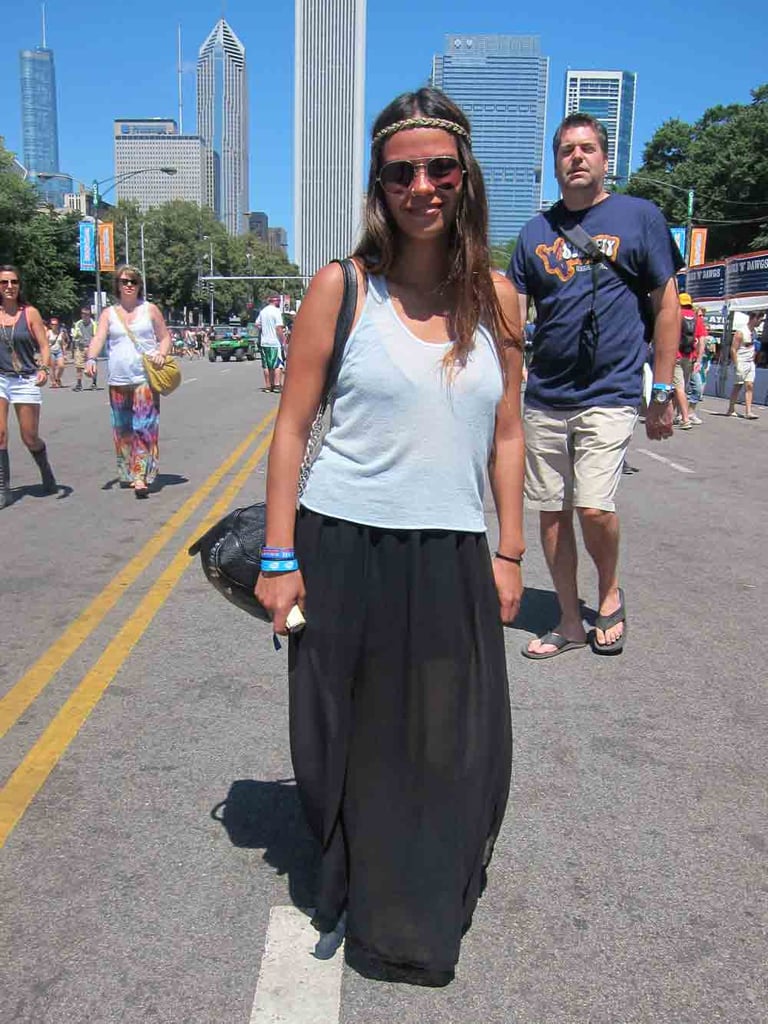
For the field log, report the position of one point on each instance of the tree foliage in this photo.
(721, 157)
(42, 244)
(179, 238)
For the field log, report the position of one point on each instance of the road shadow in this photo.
(540, 611)
(268, 816)
(161, 481)
(63, 491)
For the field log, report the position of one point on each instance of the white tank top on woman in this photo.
(124, 360)
(407, 446)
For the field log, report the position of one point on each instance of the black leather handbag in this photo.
(230, 552)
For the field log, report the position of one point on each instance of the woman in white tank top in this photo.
(400, 726)
(131, 329)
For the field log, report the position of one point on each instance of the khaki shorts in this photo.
(678, 377)
(745, 374)
(573, 457)
(79, 355)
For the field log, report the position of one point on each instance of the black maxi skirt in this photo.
(400, 736)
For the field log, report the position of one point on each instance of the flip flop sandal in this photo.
(607, 622)
(560, 642)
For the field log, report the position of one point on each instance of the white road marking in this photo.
(294, 987)
(189, 380)
(665, 460)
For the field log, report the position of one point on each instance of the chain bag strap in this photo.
(343, 327)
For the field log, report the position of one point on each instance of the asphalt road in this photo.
(150, 821)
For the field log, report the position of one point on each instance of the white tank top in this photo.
(407, 447)
(124, 361)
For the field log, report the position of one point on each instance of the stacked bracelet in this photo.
(507, 558)
(279, 564)
(277, 553)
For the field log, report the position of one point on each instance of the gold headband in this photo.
(420, 122)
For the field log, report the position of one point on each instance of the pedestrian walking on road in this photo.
(272, 335)
(743, 356)
(399, 704)
(57, 344)
(24, 369)
(601, 269)
(131, 329)
(82, 336)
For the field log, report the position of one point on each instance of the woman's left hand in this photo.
(509, 586)
(41, 379)
(157, 358)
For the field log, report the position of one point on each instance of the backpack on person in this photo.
(688, 335)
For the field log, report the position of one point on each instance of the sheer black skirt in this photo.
(400, 736)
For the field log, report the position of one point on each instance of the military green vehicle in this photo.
(231, 342)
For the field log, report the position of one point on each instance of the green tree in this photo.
(502, 254)
(721, 158)
(42, 243)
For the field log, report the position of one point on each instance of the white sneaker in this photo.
(693, 418)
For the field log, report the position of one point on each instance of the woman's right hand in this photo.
(278, 592)
(90, 367)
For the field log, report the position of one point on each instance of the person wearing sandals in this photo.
(24, 369)
(743, 356)
(132, 328)
(601, 269)
(399, 702)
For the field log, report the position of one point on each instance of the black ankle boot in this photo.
(5, 479)
(46, 473)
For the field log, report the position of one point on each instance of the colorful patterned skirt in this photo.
(135, 430)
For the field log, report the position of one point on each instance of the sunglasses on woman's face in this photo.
(9, 283)
(129, 282)
(443, 172)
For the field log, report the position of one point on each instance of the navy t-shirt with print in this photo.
(631, 232)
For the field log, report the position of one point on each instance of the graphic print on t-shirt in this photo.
(562, 260)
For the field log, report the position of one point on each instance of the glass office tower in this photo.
(39, 122)
(608, 96)
(501, 84)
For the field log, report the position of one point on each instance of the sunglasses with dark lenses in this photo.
(6, 284)
(129, 280)
(443, 172)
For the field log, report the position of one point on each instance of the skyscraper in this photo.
(501, 84)
(155, 142)
(610, 97)
(329, 129)
(39, 121)
(222, 123)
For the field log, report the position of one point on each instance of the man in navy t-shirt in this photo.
(595, 316)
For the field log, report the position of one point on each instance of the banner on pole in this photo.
(107, 246)
(698, 246)
(679, 236)
(87, 245)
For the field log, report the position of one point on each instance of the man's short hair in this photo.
(580, 120)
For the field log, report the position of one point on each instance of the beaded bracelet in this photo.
(279, 565)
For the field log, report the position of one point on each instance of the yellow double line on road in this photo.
(21, 788)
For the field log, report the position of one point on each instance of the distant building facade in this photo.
(258, 224)
(40, 124)
(329, 129)
(222, 123)
(142, 143)
(610, 97)
(501, 84)
(278, 240)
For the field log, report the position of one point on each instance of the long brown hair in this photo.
(470, 268)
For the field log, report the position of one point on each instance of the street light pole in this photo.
(143, 264)
(688, 232)
(97, 247)
(210, 283)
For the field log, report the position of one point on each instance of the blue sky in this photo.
(119, 60)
